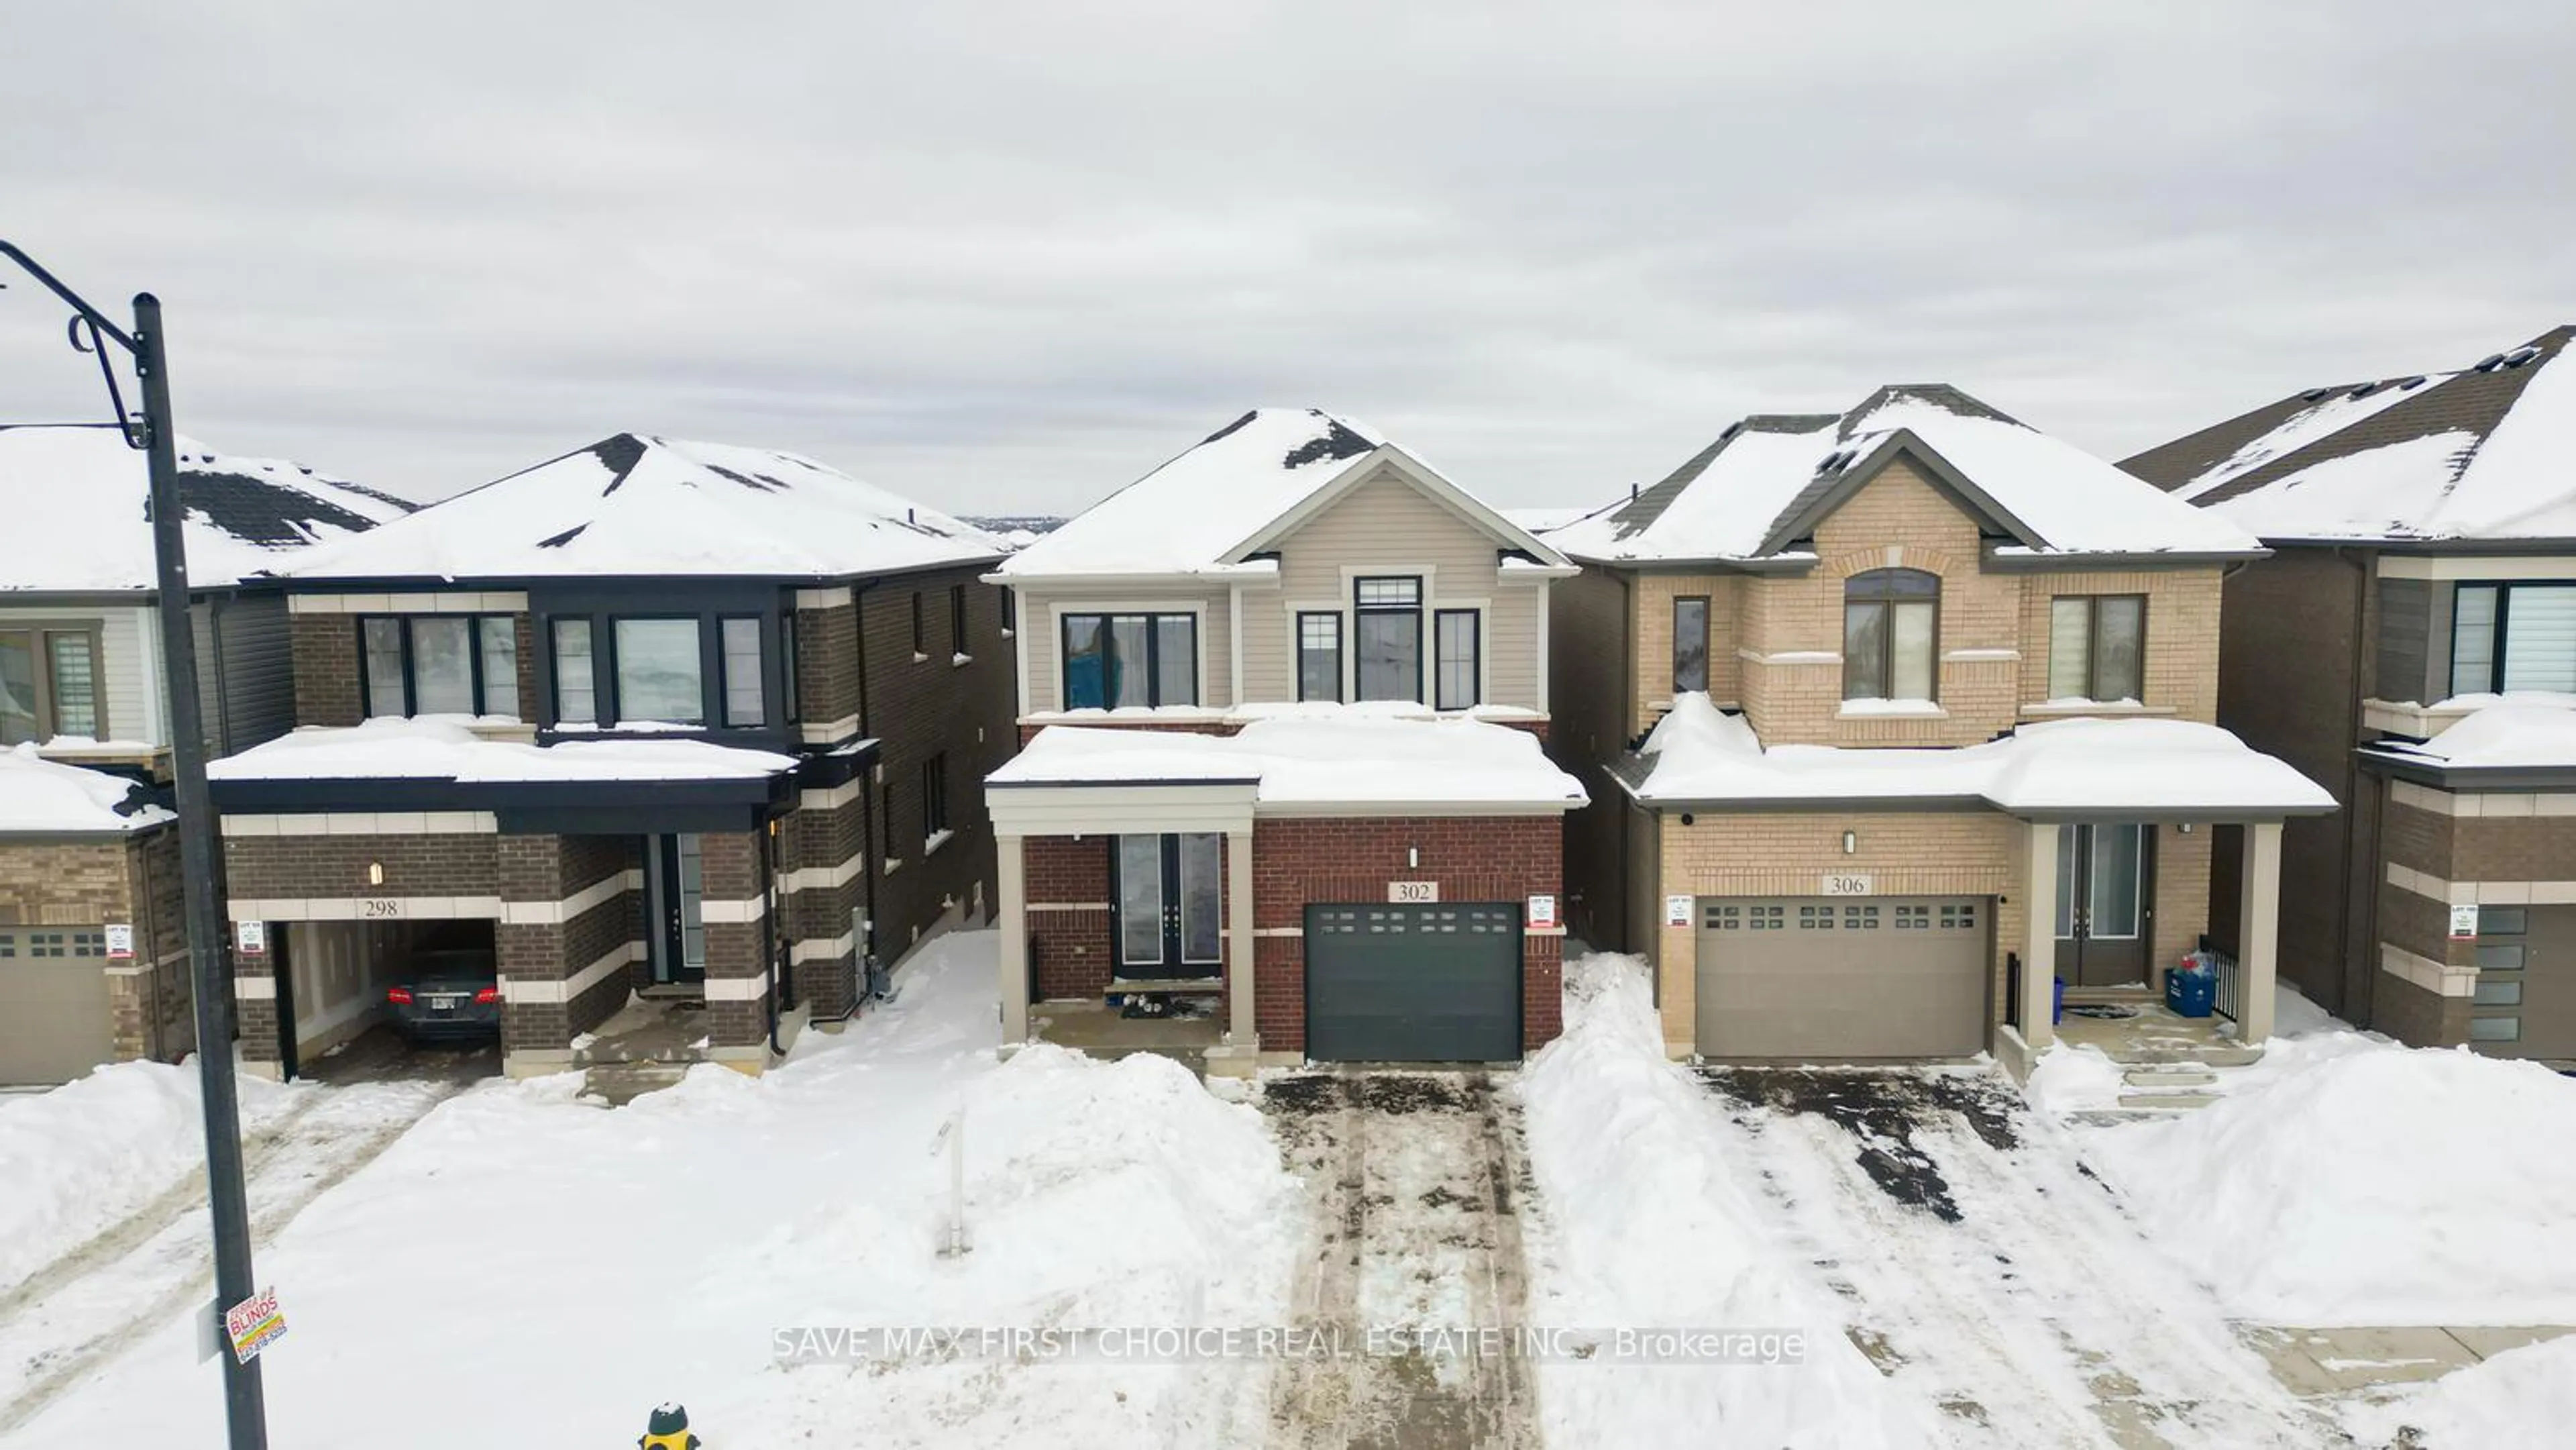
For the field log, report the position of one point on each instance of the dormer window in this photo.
(1891, 635)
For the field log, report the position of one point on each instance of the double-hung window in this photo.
(1891, 634)
(1388, 622)
(1690, 644)
(576, 675)
(439, 664)
(1117, 660)
(661, 676)
(1319, 655)
(745, 702)
(49, 685)
(1457, 650)
(934, 800)
(2513, 637)
(2097, 646)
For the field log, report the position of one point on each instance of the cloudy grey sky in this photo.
(1007, 256)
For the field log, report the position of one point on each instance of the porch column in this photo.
(2039, 937)
(1011, 885)
(1242, 1026)
(2259, 930)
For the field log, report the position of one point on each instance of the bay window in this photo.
(439, 664)
(2097, 647)
(1117, 660)
(1891, 635)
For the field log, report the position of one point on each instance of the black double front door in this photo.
(1169, 899)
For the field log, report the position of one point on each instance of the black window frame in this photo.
(1885, 589)
(1475, 659)
(616, 711)
(1681, 684)
(476, 683)
(46, 707)
(1152, 670)
(2092, 603)
(957, 620)
(1361, 610)
(2496, 630)
(920, 633)
(1335, 617)
(791, 707)
(724, 672)
(554, 667)
(934, 798)
(1008, 606)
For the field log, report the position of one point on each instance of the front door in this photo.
(676, 897)
(1170, 895)
(2105, 887)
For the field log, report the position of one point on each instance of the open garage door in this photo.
(1836, 979)
(54, 1018)
(1388, 983)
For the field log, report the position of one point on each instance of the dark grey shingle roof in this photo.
(1640, 513)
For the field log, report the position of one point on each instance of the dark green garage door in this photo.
(1413, 983)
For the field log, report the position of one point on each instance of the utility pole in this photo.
(245, 1408)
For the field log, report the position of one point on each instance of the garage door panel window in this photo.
(49, 685)
(439, 664)
(1891, 635)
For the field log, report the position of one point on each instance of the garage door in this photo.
(54, 1022)
(1835, 978)
(2524, 1001)
(1413, 983)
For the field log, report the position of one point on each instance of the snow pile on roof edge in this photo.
(1646, 1224)
(2350, 1194)
(37, 794)
(1363, 759)
(2514, 731)
(431, 747)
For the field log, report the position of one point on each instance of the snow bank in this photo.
(80, 1158)
(2377, 1185)
(576, 1266)
(1646, 1224)
(2523, 1396)
(1366, 758)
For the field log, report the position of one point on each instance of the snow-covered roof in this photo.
(1760, 489)
(77, 506)
(1349, 759)
(40, 795)
(642, 506)
(1699, 754)
(432, 748)
(1202, 511)
(2504, 732)
(2481, 453)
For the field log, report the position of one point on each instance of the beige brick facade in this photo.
(134, 880)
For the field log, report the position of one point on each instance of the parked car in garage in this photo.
(447, 994)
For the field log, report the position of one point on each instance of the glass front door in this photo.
(1171, 899)
(676, 897)
(2103, 904)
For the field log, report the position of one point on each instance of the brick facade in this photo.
(1067, 882)
(2495, 849)
(135, 880)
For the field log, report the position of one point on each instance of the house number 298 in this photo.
(379, 908)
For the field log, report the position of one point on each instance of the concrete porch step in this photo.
(2205, 1054)
(2167, 1101)
(2165, 1075)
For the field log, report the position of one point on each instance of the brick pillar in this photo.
(255, 1004)
(822, 850)
(536, 1023)
(736, 912)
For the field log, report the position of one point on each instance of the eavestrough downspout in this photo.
(2361, 572)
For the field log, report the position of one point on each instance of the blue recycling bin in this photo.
(2191, 991)
(2057, 1002)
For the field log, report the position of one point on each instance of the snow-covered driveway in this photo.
(1985, 1268)
(1415, 1185)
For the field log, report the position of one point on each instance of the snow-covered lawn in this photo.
(2348, 1180)
(523, 1268)
(80, 1158)
(1648, 1222)
(2522, 1397)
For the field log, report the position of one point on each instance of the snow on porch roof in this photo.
(78, 518)
(39, 796)
(1360, 761)
(429, 748)
(1697, 754)
(636, 505)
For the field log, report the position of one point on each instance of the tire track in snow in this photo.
(136, 1278)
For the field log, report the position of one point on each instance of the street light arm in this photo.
(89, 314)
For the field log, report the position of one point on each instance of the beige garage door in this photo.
(54, 1022)
(1837, 978)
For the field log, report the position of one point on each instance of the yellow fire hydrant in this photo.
(668, 1429)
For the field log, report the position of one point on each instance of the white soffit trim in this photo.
(364, 823)
(824, 598)
(444, 601)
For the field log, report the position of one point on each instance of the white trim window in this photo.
(1319, 654)
(1387, 643)
(2097, 647)
(1458, 664)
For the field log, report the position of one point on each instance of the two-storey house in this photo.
(689, 729)
(2411, 643)
(92, 947)
(1283, 795)
(1891, 720)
